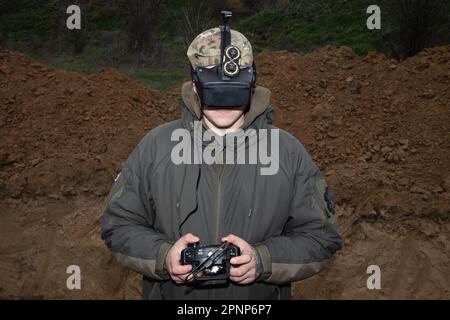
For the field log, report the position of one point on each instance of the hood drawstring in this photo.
(196, 199)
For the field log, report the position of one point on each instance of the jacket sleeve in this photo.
(310, 235)
(127, 220)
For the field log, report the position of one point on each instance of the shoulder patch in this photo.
(329, 201)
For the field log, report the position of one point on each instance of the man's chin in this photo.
(223, 119)
(225, 125)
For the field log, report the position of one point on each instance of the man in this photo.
(282, 222)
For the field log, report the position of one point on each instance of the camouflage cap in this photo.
(204, 50)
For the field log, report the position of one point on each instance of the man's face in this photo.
(223, 118)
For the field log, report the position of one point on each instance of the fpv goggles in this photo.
(225, 85)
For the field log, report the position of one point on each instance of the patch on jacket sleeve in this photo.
(117, 188)
(329, 200)
(323, 201)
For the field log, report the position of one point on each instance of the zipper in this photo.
(218, 206)
(218, 203)
(178, 203)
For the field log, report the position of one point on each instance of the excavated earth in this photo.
(378, 129)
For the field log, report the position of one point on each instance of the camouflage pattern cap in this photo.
(204, 50)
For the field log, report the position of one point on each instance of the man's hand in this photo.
(177, 271)
(244, 267)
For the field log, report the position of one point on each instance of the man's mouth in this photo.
(223, 111)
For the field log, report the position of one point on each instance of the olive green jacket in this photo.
(288, 217)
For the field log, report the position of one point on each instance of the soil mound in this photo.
(378, 129)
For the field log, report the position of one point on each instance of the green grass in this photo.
(344, 23)
(36, 28)
(29, 21)
(161, 79)
(73, 65)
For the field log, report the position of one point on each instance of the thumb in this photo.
(190, 238)
(231, 238)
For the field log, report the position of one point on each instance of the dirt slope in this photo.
(378, 129)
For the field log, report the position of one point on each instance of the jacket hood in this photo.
(260, 105)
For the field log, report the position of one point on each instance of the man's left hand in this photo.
(244, 267)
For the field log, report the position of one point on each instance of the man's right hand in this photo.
(177, 271)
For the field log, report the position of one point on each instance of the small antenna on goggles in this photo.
(225, 37)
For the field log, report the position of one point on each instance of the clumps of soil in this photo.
(378, 129)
